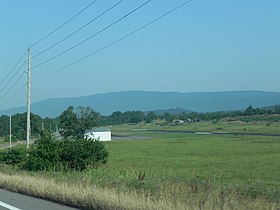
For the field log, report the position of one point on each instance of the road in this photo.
(16, 201)
(7, 145)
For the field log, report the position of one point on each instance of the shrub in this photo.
(48, 154)
(81, 154)
(13, 156)
(43, 156)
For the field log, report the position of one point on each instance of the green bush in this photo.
(44, 156)
(87, 154)
(48, 154)
(13, 156)
(81, 154)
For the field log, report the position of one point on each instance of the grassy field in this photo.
(172, 171)
(225, 158)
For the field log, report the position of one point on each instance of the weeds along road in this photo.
(15, 201)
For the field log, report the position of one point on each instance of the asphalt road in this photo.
(16, 201)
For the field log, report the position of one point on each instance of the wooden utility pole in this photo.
(10, 132)
(28, 99)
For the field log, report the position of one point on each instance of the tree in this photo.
(136, 117)
(277, 109)
(150, 117)
(74, 124)
(19, 125)
(117, 118)
(249, 110)
(69, 123)
(168, 117)
(87, 119)
(50, 123)
(4, 125)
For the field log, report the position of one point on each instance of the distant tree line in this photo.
(139, 116)
(73, 122)
(19, 125)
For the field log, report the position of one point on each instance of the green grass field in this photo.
(188, 170)
(232, 159)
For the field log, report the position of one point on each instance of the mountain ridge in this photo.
(106, 103)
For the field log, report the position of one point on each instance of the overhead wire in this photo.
(90, 37)
(115, 42)
(76, 31)
(2, 81)
(15, 94)
(14, 75)
(12, 85)
(55, 30)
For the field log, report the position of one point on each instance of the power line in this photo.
(14, 75)
(65, 38)
(115, 42)
(15, 94)
(32, 45)
(85, 40)
(13, 68)
(13, 85)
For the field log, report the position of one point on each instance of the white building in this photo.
(98, 134)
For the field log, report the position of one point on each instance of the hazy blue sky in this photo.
(218, 45)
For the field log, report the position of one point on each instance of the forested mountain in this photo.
(108, 103)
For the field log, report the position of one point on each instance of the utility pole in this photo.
(28, 98)
(10, 132)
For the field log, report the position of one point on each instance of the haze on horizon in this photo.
(202, 47)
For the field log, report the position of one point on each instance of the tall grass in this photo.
(88, 196)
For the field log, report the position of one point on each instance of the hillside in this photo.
(147, 100)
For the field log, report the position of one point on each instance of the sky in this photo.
(205, 46)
